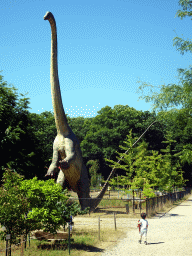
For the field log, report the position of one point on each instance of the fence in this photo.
(157, 203)
(135, 203)
(132, 205)
(95, 224)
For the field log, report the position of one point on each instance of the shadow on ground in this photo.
(156, 243)
(183, 205)
(165, 215)
(64, 247)
(104, 210)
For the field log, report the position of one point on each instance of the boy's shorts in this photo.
(143, 232)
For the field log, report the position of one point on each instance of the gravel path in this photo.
(168, 234)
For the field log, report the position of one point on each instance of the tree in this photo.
(26, 138)
(93, 171)
(78, 126)
(174, 95)
(179, 42)
(13, 207)
(27, 205)
(146, 169)
(49, 205)
(128, 166)
(44, 131)
(109, 129)
(173, 168)
(17, 142)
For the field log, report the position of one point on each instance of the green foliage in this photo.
(179, 42)
(49, 204)
(146, 170)
(95, 177)
(44, 132)
(171, 95)
(179, 121)
(27, 138)
(174, 173)
(26, 205)
(148, 191)
(13, 206)
(109, 129)
(186, 154)
(17, 141)
(78, 126)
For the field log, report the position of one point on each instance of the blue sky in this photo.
(104, 48)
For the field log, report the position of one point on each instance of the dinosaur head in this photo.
(48, 15)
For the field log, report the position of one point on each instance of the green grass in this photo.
(85, 241)
(82, 241)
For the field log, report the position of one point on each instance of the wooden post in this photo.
(8, 245)
(69, 237)
(127, 207)
(147, 211)
(29, 239)
(22, 245)
(140, 202)
(26, 239)
(99, 227)
(6, 251)
(115, 221)
(133, 203)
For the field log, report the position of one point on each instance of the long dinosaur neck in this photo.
(59, 114)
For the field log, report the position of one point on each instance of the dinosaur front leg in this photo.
(54, 164)
(63, 164)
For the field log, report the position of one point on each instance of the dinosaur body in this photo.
(66, 148)
(67, 154)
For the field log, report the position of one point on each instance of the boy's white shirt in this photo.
(144, 224)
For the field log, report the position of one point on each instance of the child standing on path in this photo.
(143, 226)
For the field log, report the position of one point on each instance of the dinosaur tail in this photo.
(94, 202)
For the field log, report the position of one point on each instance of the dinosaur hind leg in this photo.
(61, 178)
(83, 189)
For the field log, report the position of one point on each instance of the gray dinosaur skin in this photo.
(72, 164)
(67, 154)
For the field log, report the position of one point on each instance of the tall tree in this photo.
(146, 169)
(14, 138)
(174, 95)
(181, 44)
(94, 167)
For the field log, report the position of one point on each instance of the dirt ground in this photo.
(106, 223)
(168, 234)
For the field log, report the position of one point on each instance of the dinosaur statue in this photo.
(67, 154)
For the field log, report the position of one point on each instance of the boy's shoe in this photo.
(140, 241)
(145, 243)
